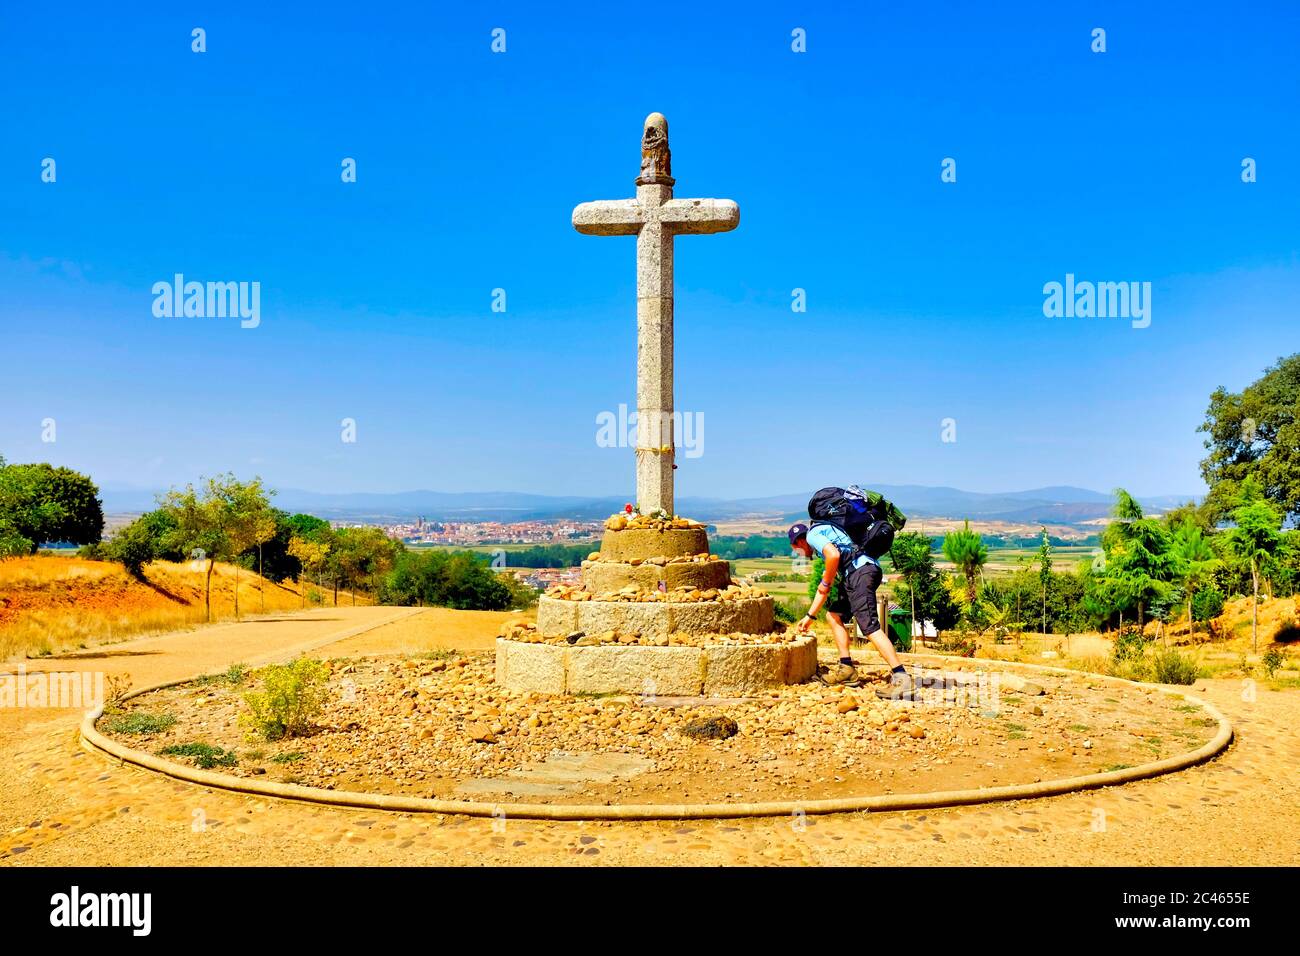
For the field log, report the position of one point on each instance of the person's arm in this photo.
(831, 557)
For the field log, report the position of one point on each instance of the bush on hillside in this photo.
(1171, 666)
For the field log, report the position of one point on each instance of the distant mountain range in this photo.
(1055, 505)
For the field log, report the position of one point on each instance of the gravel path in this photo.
(60, 805)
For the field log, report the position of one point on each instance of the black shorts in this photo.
(857, 599)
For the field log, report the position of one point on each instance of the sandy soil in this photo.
(444, 729)
(60, 805)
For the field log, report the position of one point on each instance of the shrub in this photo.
(1171, 666)
(292, 696)
(139, 722)
(1272, 660)
(1207, 604)
(233, 675)
(1130, 646)
(205, 755)
(1131, 669)
(956, 642)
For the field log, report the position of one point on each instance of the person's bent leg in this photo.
(881, 642)
(839, 632)
(861, 585)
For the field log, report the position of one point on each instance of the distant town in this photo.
(469, 533)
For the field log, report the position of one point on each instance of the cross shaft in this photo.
(655, 218)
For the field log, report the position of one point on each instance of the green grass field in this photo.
(1008, 560)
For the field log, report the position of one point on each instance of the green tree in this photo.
(1255, 540)
(249, 522)
(912, 559)
(40, 503)
(147, 538)
(923, 587)
(456, 579)
(1139, 552)
(965, 549)
(311, 555)
(1194, 558)
(1045, 571)
(276, 561)
(364, 554)
(210, 523)
(1255, 432)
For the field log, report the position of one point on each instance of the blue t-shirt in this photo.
(820, 535)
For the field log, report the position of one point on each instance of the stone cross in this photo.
(655, 217)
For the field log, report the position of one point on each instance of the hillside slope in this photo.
(49, 604)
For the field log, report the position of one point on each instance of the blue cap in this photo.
(797, 531)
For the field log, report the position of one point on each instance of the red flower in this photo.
(627, 508)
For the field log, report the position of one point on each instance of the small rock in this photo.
(710, 728)
(847, 704)
(481, 733)
(916, 732)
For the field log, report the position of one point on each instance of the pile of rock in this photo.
(659, 560)
(527, 633)
(733, 592)
(656, 522)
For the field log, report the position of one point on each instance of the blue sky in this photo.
(924, 298)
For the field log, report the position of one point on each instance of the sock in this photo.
(847, 660)
(898, 670)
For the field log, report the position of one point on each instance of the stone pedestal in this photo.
(656, 614)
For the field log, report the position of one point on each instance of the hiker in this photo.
(859, 574)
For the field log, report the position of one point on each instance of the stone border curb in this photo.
(92, 740)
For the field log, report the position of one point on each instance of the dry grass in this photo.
(53, 604)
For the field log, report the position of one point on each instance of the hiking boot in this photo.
(840, 674)
(900, 687)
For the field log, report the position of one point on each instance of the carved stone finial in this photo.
(656, 158)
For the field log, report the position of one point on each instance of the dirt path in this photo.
(62, 806)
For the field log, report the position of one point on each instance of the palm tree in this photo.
(966, 549)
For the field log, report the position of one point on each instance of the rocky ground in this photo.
(443, 728)
(60, 805)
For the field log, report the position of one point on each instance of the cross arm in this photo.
(608, 217)
(694, 216)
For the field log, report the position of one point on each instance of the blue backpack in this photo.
(865, 516)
